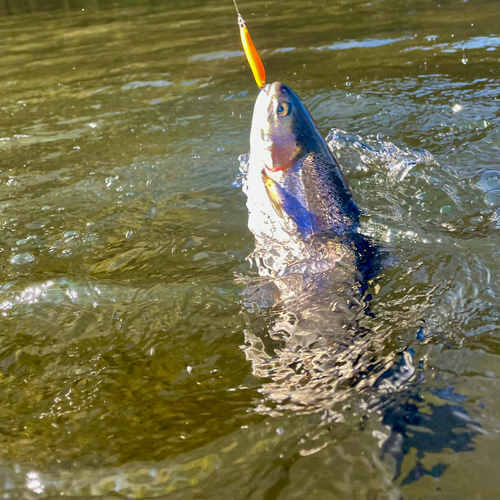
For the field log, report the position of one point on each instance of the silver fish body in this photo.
(294, 185)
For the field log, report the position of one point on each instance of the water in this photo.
(126, 348)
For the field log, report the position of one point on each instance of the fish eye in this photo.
(283, 109)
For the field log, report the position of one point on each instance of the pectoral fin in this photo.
(272, 190)
(288, 206)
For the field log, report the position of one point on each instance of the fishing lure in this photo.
(253, 58)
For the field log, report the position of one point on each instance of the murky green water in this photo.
(122, 336)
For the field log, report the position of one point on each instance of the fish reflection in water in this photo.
(313, 267)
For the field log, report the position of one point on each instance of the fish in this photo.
(313, 262)
(296, 191)
(301, 177)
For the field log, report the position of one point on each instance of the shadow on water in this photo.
(426, 428)
(418, 427)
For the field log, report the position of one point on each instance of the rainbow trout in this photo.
(297, 194)
(311, 259)
(293, 171)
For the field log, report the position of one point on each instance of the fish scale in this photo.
(335, 211)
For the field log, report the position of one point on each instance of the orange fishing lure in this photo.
(253, 58)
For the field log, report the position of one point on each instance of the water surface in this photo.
(123, 368)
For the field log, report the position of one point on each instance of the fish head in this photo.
(282, 128)
(301, 179)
